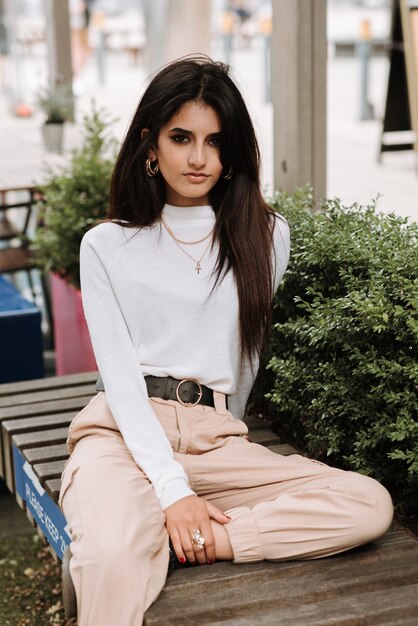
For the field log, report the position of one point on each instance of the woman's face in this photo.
(188, 153)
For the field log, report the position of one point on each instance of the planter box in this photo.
(73, 350)
(53, 136)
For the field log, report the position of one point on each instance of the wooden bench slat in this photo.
(388, 610)
(41, 437)
(283, 448)
(47, 395)
(54, 382)
(49, 470)
(304, 592)
(45, 408)
(52, 487)
(264, 437)
(31, 440)
(255, 423)
(46, 453)
(40, 422)
(12, 427)
(405, 621)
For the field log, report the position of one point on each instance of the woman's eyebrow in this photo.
(190, 132)
(181, 130)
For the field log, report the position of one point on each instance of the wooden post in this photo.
(175, 29)
(188, 28)
(59, 41)
(409, 18)
(299, 93)
(155, 14)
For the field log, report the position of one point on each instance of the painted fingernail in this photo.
(210, 561)
(182, 560)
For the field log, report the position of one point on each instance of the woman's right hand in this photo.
(183, 518)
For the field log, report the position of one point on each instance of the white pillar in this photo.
(299, 94)
(176, 28)
(188, 27)
(156, 14)
(58, 41)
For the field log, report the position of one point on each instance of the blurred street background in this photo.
(111, 63)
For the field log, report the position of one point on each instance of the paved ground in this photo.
(13, 521)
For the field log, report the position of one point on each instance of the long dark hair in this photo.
(244, 221)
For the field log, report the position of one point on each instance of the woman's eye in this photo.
(216, 141)
(179, 138)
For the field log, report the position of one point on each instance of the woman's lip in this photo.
(196, 177)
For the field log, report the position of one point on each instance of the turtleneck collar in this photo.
(191, 214)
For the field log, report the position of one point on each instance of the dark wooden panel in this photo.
(40, 422)
(264, 437)
(31, 440)
(255, 423)
(29, 425)
(44, 408)
(283, 448)
(49, 470)
(46, 453)
(52, 487)
(47, 395)
(40, 438)
(370, 585)
(391, 605)
(27, 386)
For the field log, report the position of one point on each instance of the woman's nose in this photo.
(197, 156)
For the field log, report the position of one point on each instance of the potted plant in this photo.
(57, 103)
(75, 198)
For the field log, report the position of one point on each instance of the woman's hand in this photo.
(183, 518)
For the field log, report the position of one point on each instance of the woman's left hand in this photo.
(186, 516)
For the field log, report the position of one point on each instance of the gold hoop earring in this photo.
(228, 176)
(151, 171)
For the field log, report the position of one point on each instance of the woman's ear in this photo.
(151, 153)
(144, 133)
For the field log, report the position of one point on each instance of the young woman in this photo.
(177, 289)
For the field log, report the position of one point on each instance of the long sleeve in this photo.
(124, 382)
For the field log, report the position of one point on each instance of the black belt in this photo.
(188, 391)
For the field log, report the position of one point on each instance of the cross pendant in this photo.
(198, 267)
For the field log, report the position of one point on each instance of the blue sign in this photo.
(45, 512)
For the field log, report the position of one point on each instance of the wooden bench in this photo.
(376, 584)
(34, 419)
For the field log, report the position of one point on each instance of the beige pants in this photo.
(281, 507)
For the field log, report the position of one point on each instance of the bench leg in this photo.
(68, 592)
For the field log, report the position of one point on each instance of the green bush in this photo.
(75, 199)
(342, 373)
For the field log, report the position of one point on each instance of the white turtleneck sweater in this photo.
(149, 312)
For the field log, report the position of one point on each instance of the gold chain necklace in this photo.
(186, 243)
(198, 267)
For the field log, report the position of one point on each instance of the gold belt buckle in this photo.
(200, 394)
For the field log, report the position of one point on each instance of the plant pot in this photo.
(73, 350)
(53, 134)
